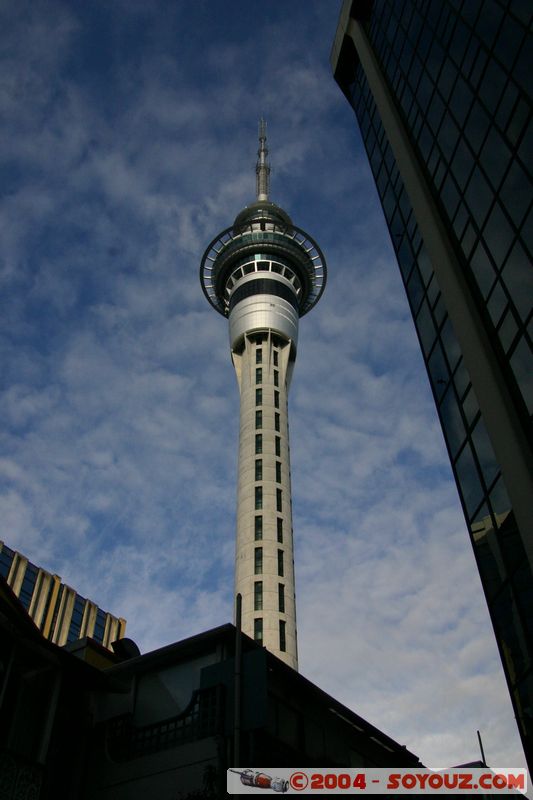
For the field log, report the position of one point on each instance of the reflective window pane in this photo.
(469, 480)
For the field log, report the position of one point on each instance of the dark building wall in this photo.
(44, 711)
(77, 722)
(440, 91)
(143, 742)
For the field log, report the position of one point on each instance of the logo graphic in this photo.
(261, 780)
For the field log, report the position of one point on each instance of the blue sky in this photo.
(129, 142)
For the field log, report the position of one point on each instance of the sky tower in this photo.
(263, 273)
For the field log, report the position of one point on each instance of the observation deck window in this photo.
(262, 265)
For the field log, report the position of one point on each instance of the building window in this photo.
(99, 626)
(275, 354)
(280, 563)
(276, 399)
(258, 596)
(278, 471)
(281, 597)
(258, 527)
(280, 529)
(76, 620)
(258, 397)
(6, 559)
(282, 637)
(258, 630)
(258, 497)
(57, 605)
(259, 469)
(258, 419)
(278, 445)
(259, 356)
(276, 421)
(278, 500)
(259, 375)
(258, 442)
(28, 585)
(276, 378)
(258, 561)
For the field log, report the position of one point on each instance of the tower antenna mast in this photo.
(262, 169)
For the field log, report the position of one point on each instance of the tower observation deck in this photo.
(263, 274)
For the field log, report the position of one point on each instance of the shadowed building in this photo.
(441, 93)
(263, 273)
(60, 613)
(82, 722)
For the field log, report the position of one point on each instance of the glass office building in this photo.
(60, 613)
(440, 91)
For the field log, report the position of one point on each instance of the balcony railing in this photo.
(202, 718)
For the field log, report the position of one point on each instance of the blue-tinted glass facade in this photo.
(6, 559)
(99, 626)
(458, 75)
(56, 609)
(28, 585)
(76, 619)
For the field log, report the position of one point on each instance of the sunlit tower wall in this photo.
(263, 274)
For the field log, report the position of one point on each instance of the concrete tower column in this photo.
(264, 559)
(263, 274)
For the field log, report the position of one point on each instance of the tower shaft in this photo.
(264, 563)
